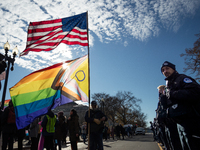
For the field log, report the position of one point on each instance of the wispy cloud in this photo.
(109, 20)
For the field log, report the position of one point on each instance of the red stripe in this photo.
(76, 36)
(38, 49)
(39, 37)
(77, 31)
(43, 29)
(48, 43)
(45, 22)
(74, 43)
(34, 38)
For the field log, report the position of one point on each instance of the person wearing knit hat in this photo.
(183, 105)
(167, 69)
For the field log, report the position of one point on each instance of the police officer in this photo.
(183, 94)
(170, 132)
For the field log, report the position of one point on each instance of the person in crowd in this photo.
(59, 130)
(8, 127)
(105, 129)
(33, 134)
(41, 137)
(65, 130)
(20, 134)
(183, 95)
(153, 130)
(122, 131)
(108, 133)
(133, 129)
(84, 131)
(117, 129)
(96, 120)
(1, 112)
(128, 130)
(73, 127)
(48, 123)
(161, 116)
(112, 132)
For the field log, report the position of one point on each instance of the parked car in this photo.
(140, 130)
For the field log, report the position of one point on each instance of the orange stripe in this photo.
(38, 76)
(66, 90)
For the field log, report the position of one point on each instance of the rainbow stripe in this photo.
(48, 88)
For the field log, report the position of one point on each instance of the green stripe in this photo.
(32, 96)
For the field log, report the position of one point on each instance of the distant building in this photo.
(81, 109)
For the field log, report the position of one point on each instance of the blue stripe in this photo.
(26, 116)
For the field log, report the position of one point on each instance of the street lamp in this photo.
(9, 60)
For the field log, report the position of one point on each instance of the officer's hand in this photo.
(97, 121)
(167, 93)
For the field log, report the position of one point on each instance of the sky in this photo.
(128, 41)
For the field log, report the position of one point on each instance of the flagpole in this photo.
(88, 84)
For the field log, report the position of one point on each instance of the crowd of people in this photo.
(177, 122)
(51, 130)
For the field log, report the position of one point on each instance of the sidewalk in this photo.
(81, 145)
(64, 147)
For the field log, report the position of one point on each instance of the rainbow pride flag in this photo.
(48, 88)
(6, 102)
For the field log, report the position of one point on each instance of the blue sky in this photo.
(129, 40)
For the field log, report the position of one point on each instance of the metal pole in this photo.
(88, 84)
(5, 85)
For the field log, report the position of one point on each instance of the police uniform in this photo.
(183, 94)
(170, 132)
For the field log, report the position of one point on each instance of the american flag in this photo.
(47, 35)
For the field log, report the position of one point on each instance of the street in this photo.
(138, 142)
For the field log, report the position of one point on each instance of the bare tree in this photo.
(140, 119)
(111, 107)
(192, 58)
(128, 104)
(100, 99)
(123, 108)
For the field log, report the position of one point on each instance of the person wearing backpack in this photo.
(9, 127)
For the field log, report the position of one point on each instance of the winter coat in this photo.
(73, 127)
(95, 114)
(8, 123)
(60, 128)
(183, 93)
(34, 127)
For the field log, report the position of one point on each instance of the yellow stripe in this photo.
(31, 87)
(160, 147)
(38, 76)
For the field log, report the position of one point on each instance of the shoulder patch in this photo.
(187, 80)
